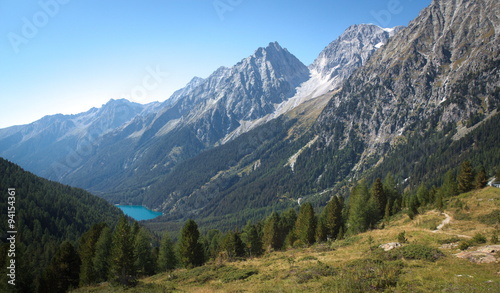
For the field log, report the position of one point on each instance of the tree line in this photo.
(129, 251)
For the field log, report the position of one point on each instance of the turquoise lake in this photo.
(139, 213)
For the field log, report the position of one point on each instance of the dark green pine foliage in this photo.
(359, 210)
(271, 238)
(305, 226)
(212, 243)
(321, 229)
(143, 259)
(252, 238)
(287, 225)
(465, 177)
(190, 249)
(101, 260)
(167, 260)
(64, 270)
(423, 195)
(450, 186)
(49, 213)
(233, 245)
(87, 249)
(379, 196)
(333, 217)
(122, 270)
(481, 179)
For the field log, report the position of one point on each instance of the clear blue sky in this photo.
(66, 56)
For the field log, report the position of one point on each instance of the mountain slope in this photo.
(46, 214)
(54, 144)
(440, 70)
(333, 65)
(196, 118)
(388, 117)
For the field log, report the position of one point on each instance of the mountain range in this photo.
(269, 130)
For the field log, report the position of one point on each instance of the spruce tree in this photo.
(422, 194)
(167, 260)
(379, 196)
(450, 186)
(305, 226)
(359, 210)
(102, 255)
(286, 227)
(190, 249)
(143, 260)
(481, 179)
(333, 217)
(271, 238)
(465, 177)
(86, 251)
(233, 245)
(321, 235)
(122, 270)
(252, 239)
(64, 270)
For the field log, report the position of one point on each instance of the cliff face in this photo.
(443, 68)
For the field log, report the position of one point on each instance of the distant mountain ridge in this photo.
(146, 142)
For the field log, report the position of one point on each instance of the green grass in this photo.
(353, 264)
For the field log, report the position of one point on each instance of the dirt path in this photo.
(446, 221)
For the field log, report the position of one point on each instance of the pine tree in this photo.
(271, 233)
(321, 229)
(379, 196)
(143, 260)
(450, 186)
(286, 227)
(465, 177)
(422, 194)
(389, 186)
(87, 252)
(359, 210)
(122, 270)
(190, 249)
(102, 255)
(233, 245)
(333, 217)
(167, 260)
(387, 211)
(252, 239)
(64, 270)
(481, 179)
(305, 226)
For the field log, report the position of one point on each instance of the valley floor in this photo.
(427, 262)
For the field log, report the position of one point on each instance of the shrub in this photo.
(238, 275)
(367, 275)
(413, 251)
(418, 251)
(479, 238)
(402, 237)
(464, 245)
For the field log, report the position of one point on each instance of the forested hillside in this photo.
(46, 215)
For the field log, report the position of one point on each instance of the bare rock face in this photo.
(442, 69)
(484, 254)
(390, 246)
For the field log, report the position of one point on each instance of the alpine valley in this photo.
(270, 131)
